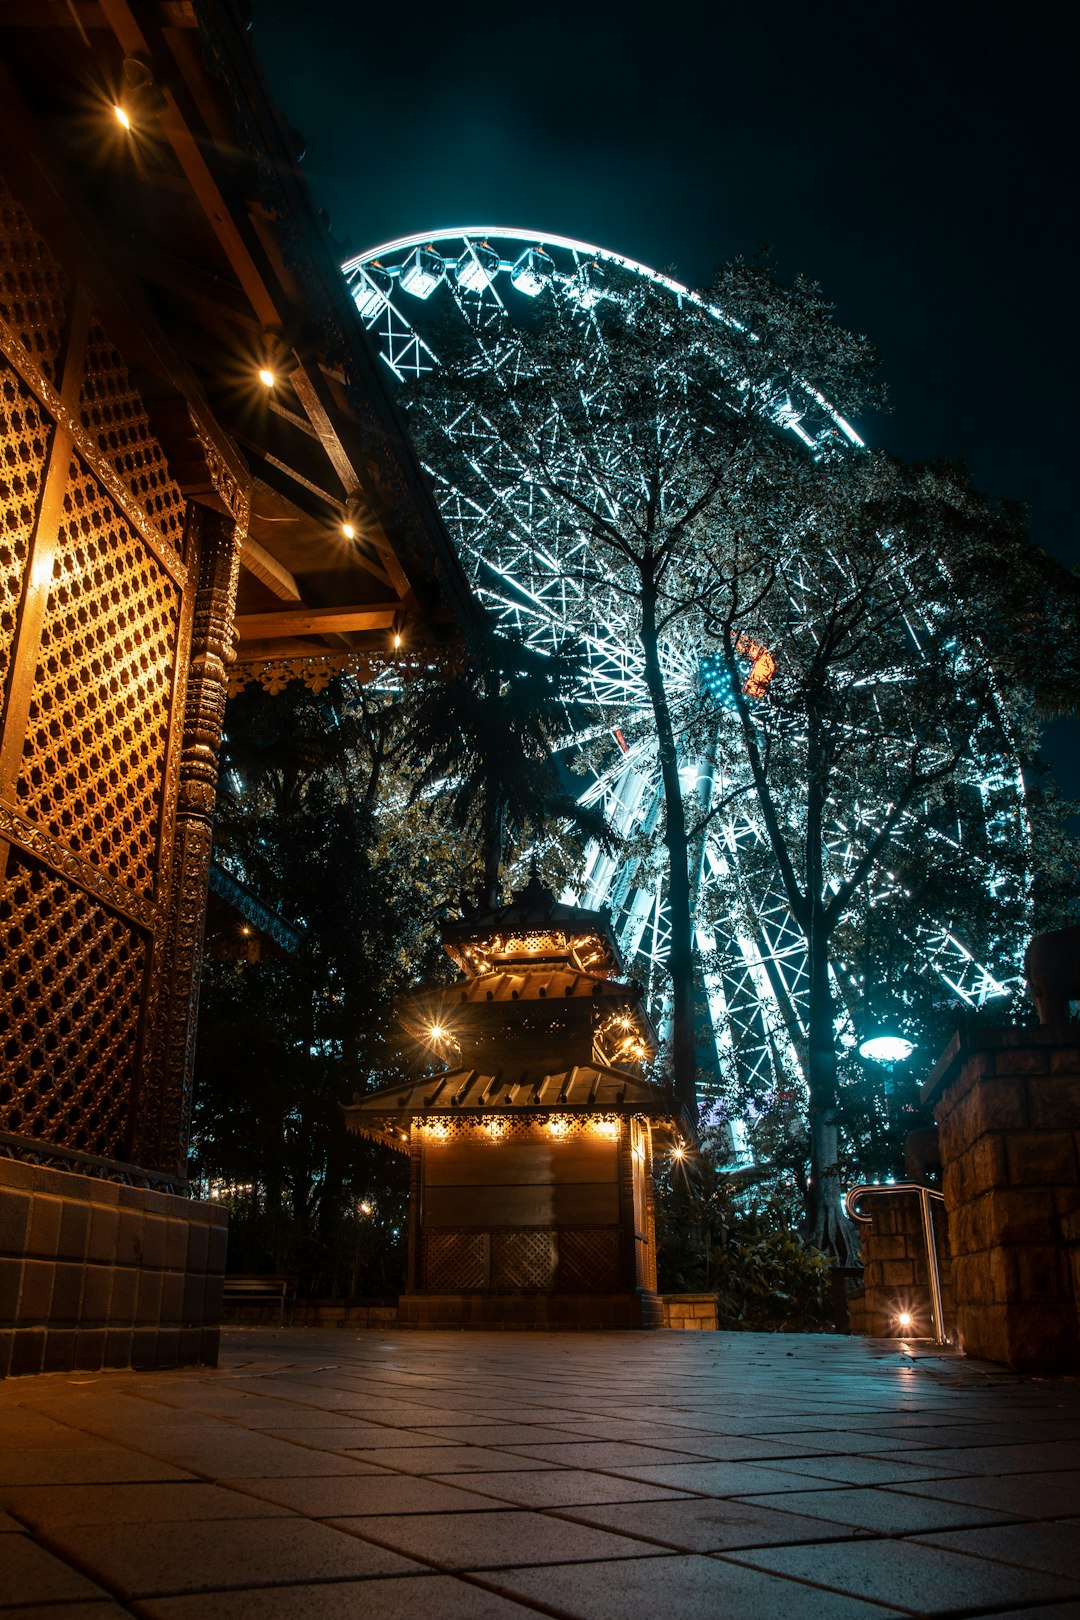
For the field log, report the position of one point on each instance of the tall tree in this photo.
(909, 621)
(633, 424)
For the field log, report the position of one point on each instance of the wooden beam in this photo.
(316, 621)
(274, 575)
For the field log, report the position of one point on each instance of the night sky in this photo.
(918, 160)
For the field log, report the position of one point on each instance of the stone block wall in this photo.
(895, 1273)
(97, 1274)
(1007, 1104)
(582, 1312)
(689, 1311)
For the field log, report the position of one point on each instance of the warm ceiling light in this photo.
(267, 377)
(348, 530)
(121, 116)
(904, 1319)
(437, 1032)
(397, 638)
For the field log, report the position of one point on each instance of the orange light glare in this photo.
(267, 377)
(121, 116)
(904, 1319)
(349, 531)
(678, 1152)
(397, 638)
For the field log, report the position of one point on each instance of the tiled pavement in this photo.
(334, 1476)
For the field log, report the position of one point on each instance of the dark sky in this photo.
(918, 160)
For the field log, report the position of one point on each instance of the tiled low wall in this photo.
(580, 1312)
(1007, 1102)
(895, 1275)
(683, 1311)
(96, 1274)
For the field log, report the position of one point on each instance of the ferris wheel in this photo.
(526, 564)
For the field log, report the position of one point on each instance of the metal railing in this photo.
(933, 1270)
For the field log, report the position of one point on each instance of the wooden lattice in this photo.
(24, 433)
(33, 288)
(115, 416)
(523, 1259)
(588, 1259)
(455, 1261)
(72, 979)
(94, 753)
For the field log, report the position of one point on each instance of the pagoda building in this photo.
(533, 1147)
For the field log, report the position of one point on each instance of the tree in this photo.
(481, 740)
(635, 423)
(707, 497)
(908, 618)
(314, 816)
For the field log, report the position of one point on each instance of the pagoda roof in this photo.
(385, 1115)
(534, 911)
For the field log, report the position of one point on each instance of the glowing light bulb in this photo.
(437, 1032)
(267, 377)
(397, 638)
(904, 1319)
(121, 116)
(348, 530)
(678, 1152)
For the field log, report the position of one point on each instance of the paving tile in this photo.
(235, 1456)
(77, 1465)
(720, 1478)
(703, 1524)
(560, 1487)
(1032, 1496)
(442, 1459)
(44, 1506)
(864, 1470)
(389, 1494)
(1049, 1456)
(208, 1557)
(677, 1588)
(917, 1576)
(600, 1454)
(1051, 1547)
(32, 1574)
(486, 1540)
(439, 1597)
(105, 1610)
(888, 1512)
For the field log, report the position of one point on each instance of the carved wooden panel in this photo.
(72, 981)
(523, 1260)
(455, 1261)
(113, 412)
(588, 1260)
(24, 435)
(96, 609)
(34, 290)
(94, 752)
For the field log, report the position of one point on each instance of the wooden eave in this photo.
(586, 1091)
(195, 236)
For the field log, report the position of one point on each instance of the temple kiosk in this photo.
(533, 1146)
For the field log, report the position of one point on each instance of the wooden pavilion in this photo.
(533, 1147)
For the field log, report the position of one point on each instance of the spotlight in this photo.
(137, 101)
(904, 1320)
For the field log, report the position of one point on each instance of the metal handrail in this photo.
(852, 1198)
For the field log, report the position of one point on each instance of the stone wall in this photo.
(95, 1274)
(895, 1272)
(1007, 1104)
(683, 1311)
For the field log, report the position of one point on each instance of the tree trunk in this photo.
(827, 1226)
(681, 951)
(494, 838)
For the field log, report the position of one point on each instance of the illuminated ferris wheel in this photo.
(525, 563)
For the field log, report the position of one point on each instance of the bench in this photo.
(260, 1291)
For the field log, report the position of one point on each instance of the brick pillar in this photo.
(1007, 1103)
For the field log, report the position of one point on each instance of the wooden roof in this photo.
(204, 253)
(387, 1114)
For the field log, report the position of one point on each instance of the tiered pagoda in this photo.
(532, 1149)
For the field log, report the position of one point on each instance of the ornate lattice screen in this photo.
(95, 625)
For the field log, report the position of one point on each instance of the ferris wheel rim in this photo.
(519, 233)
